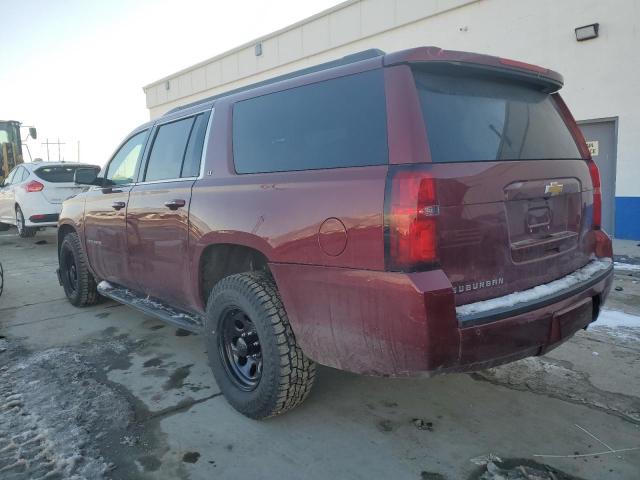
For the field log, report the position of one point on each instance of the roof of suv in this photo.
(548, 79)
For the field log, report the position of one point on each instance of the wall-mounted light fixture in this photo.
(258, 49)
(587, 32)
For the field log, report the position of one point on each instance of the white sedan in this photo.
(32, 194)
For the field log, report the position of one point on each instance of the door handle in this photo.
(175, 204)
(118, 205)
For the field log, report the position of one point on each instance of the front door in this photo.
(105, 214)
(158, 211)
(601, 139)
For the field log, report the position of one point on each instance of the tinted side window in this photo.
(193, 155)
(124, 165)
(25, 174)
(330, 124)
(167, 152)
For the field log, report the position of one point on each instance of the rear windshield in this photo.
(59, 174)
(483, 119)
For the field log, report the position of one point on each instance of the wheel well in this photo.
(220, 261)
(63, 231)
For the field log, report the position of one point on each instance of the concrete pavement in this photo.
(568, 410)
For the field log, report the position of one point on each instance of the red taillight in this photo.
(597, 194)
(34, 186)
(411, 220)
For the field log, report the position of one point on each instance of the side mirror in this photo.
(86, 176)
(33, 132)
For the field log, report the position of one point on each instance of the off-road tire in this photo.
(287, 374)
(85, 292)
(23, 232)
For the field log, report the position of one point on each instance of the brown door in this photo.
(158, 212)
(105, 214)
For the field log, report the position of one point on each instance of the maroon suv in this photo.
(419, 212)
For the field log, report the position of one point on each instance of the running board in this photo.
(151, 306)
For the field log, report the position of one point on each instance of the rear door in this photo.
(158, 211)
(105, 213)
(514, 193)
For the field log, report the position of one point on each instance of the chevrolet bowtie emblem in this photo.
(553, 188)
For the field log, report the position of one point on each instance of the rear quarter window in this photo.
(477, 117)
(330, 124)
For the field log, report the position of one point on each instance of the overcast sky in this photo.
(75, 68)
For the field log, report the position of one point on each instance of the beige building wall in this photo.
(601, 75)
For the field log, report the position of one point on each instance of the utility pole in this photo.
(78, 151)
(47, 143)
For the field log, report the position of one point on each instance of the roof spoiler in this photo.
(549, 80)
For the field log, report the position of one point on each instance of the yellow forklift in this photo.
(11, 146)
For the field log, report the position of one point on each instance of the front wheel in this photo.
(252, 350)
(23, 231)
(77, 281)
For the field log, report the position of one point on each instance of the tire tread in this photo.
(296, 371)
(87, 287)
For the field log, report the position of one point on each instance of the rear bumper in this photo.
(386, 323)
(47, 219)
(41, 213)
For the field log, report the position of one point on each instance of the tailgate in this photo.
(517, 238)
(514, 194)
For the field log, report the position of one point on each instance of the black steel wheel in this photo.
(239, 348)
(23, 231)
(252, 350)
(77, 281)
(69, 270)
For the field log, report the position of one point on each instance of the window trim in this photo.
(147, 151)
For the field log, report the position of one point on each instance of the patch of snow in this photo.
(626, 266)
(615, 319)
(51, 412)
(539, 292)
(485, 459)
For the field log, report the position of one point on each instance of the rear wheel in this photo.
(252, 350)
(4, 227)
(77, 281)
(23, 231)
